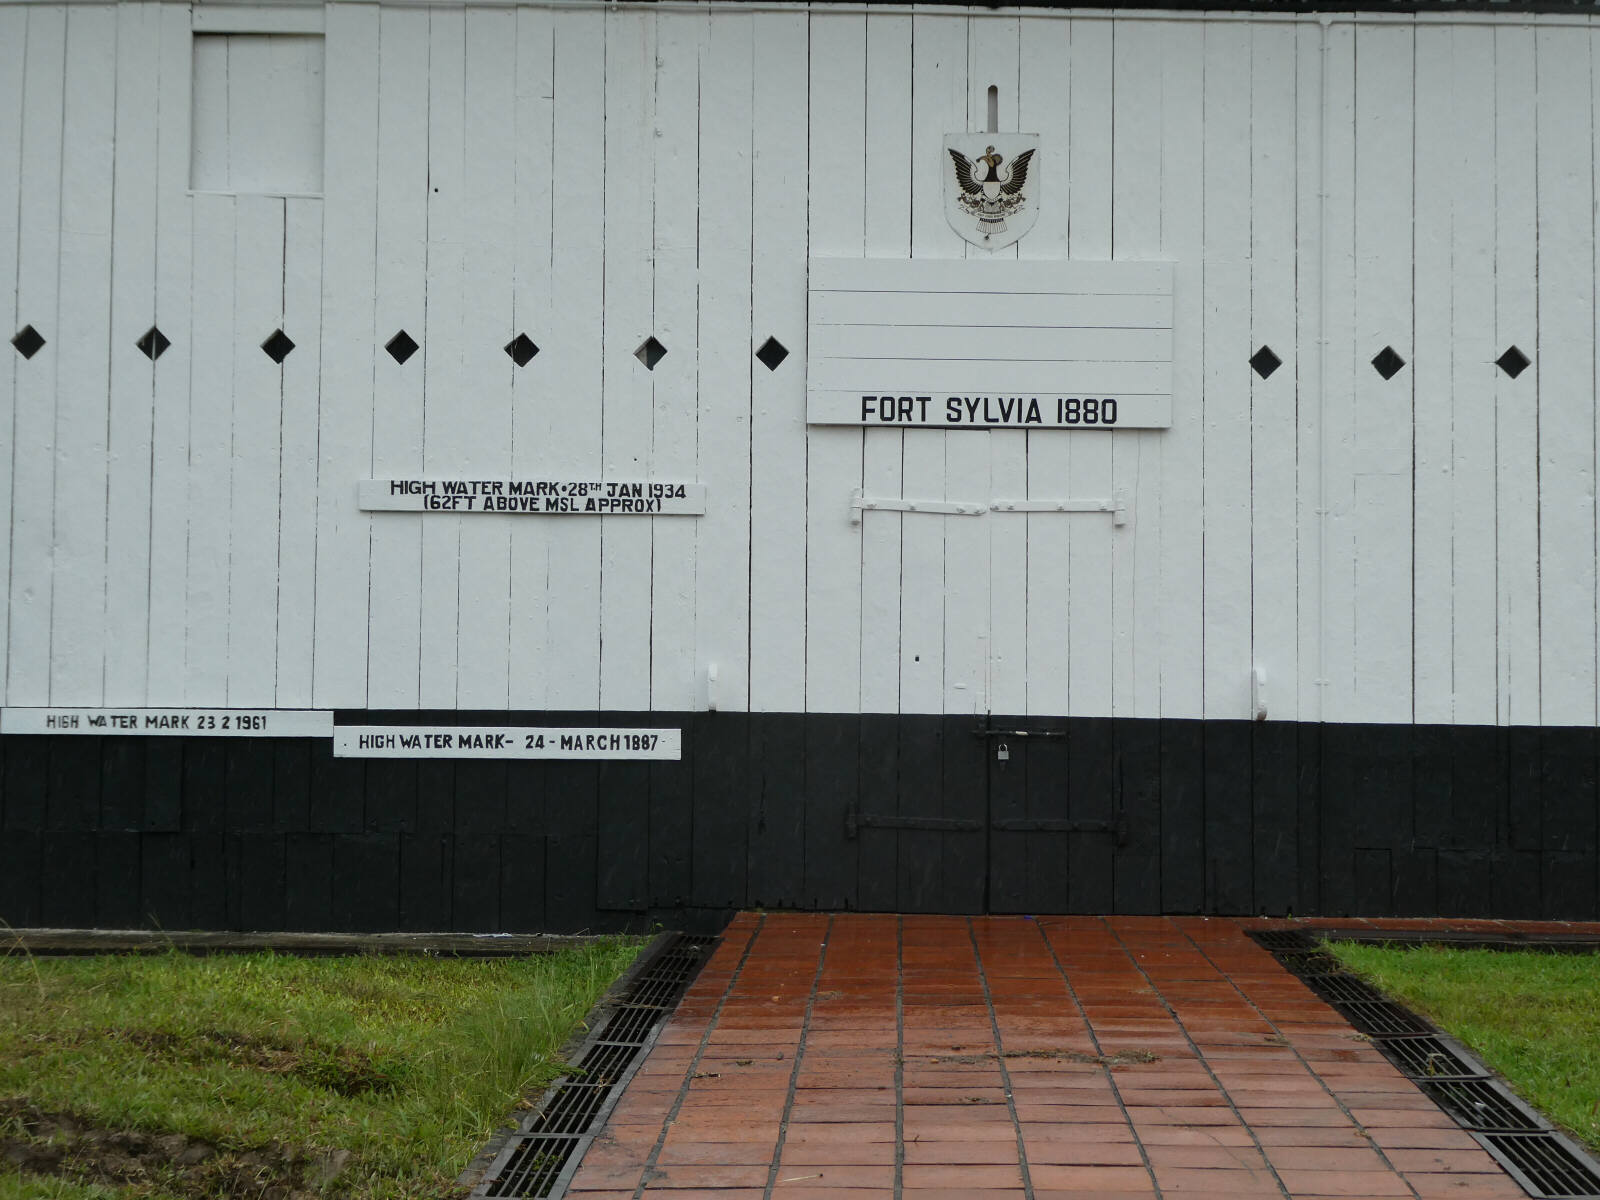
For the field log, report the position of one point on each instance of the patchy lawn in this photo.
(1533, 1017)
(268, 1076)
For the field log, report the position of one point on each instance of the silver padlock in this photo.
(1003, 752)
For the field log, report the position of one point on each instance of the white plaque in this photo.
(538, 497)
(170, 722)
(508, 741)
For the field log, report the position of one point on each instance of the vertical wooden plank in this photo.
(34, 425)
(1516, 402)
(169, 432)
(1228, 79)
(1473, 344)
(723, 535)
(133, 295)
(1310, 355)
(939, 85)
(1136, 213)
(1183, 797)
(77, 616)
(837, 220)
(677, 424)
(1273, 483)
(886, 234)
(572, 636)
(1434, 370)
(1182, 531)
(1383, 308)
(344, 446)
(627, 429)
(297, 452)
(13, 52)
(489, 232)
(216, 342)
(254, 451)
(1090, 622)
(1566, 425)
(777, 303)
(531, 305)
(1044, 102)
(444, 440)
(397, 388)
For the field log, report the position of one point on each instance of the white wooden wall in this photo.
(186, 532)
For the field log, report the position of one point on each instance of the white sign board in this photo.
(545, 497)
(498, 742)
(987, 344)
(172, 722)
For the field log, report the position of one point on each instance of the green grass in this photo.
(1534, 1018)
(408, 1063)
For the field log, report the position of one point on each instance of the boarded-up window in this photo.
(257, 113)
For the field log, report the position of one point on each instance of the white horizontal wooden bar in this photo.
(168, 722)
(506, 742)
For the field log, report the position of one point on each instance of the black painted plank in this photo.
(308, 887)
(832, 778)
(208, 880)
(366, 881)
(1342, 751)
(426, 860)
(1092, 773)
(776, 838)
(291, 785)
(1567, 790)
(205, 795)
(571, 799)
(258, 880)
(670, 788)
(1523, 815)
(480, 798)
(1516, 876)
(1381, 803)
(522, 883)
(1275, 817)
(26, 775)
(964, 861)
(164, 881)
(570, 884)
(436, 796)
(1308, 774)
(1137, 886)
(1229, 844)
(878, 792)
(919, 856)
(1008, 801)
(1568, 886)
(19, 878)
(1182, 816)
(1478, 782)
(1415, 882)
(721, 782)
(73, 785)
(527, 798)
(1047, 796)
(122, 781)
(1433, 784)
(624, 855)
(66, 878)
(391, 795)
(249, 782)
(338, 792)
(116, 881)
(1465, 883)
(1374, 886)
(475, 903)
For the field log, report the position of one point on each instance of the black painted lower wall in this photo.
(934, 814)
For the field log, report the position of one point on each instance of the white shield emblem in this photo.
(992, 186)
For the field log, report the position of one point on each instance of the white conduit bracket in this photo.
(1117, 506)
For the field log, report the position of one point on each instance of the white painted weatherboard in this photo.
(505, 741)
(974, 344)
(174, 722)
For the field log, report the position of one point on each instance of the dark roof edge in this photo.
(1397, 7)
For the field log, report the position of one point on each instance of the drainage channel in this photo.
(541, 1156)
(1544, 1162)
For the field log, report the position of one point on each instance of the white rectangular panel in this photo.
(169, 722)
(551, 497)
(990, 343)
(501, 742)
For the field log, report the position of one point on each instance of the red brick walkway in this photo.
(867, 1056)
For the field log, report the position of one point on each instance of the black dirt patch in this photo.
(337, 1069)
(74, 1147)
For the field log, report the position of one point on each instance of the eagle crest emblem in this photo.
(992, 199)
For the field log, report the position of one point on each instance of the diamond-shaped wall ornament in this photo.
(521, 349)
(1264, 362)
(153, 344)
(772, 353)
(401, 346)
(28, 341)
(1387, 363)
(1513, 362)
(277, 346)
(650, 352)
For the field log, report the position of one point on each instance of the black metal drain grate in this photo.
(1479, 1105)
(1283, 939)
(533, 1166)
(605, 1062)
(1429, 1057)
(1543, 1163)
(1309, 963)
(1383, 1019)
(1344, 989)
(630, 1023)
(570, 1108)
